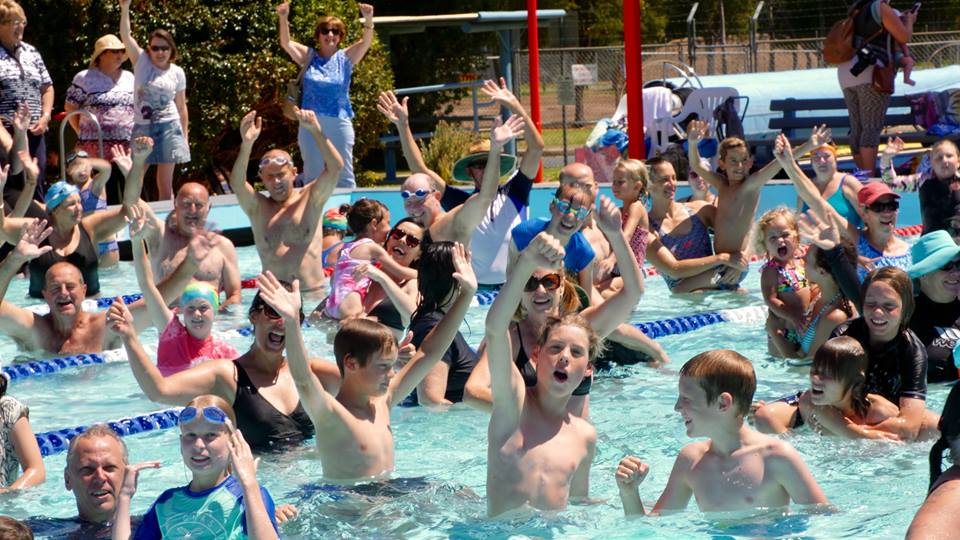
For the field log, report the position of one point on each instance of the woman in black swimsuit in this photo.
(258, 384)
(548, 294)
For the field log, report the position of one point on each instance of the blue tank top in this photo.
(693, 245)
(326, 85)
(842, 205)
(865, 249)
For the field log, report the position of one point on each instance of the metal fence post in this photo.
(754, 64)
(692, 35)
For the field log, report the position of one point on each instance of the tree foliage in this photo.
(231, 54)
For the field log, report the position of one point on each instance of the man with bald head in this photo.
(167, 243)
(67, 328)
(286, 221)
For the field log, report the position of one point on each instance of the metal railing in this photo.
(63, 127)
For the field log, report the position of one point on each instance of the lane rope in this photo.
(58, 440)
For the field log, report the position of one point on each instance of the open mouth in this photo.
(200, 460)
(275, 339)
(543, 302)
(782, 251)
(64, 303)
(560, 376)
(879, 323)
(101, 494)
(398, 251)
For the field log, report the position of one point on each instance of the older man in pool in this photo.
(286, 221)
(67, 328)
(422, 201)
(167, 243)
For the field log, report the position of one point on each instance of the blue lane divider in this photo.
(689, 323)
(54, 442)
(53, 365)
(482, 298)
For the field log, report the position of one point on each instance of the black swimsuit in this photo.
(529, 373)
(86, 258)
(263, 426)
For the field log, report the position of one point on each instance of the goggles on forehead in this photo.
(280, 161)
(212, 414)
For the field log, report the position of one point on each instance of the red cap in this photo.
(873, 191)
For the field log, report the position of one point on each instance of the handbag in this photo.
(883, 78)
(294, 90)
(838, 45)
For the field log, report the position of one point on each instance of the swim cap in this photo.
(333, 219)
(200, 289)
(57, 193)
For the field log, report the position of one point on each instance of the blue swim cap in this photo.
(57, 193)
(200, 289)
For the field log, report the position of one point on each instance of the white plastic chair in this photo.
(703, 101)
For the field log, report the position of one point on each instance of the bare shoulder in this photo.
(584, 429)
(692, 453)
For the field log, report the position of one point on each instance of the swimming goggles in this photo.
(550, 282)
(275, 160)
(77, 154)
(418, 194)
(880, 207)
(566, 208)
(211, 414)
(408, 239)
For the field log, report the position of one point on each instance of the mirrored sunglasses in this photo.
(550, 282)
(407, 238)
(565, 207)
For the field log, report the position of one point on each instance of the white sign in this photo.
(584, 74)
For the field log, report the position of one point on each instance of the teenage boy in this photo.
(736, 468)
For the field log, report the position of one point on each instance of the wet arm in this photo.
(101, 174)
(907, 425)
(468, 216)
(256, 517)
(476, 393)
(15, 321)
(389, 265)
(792, 473)
(230, 282)
(214, 377)
(433, 388)
(322, 188)
(676, 495)
(606, 316)
(316, 400)
(246, 195)
(710, 177)
(28, 453)
(580, 483)
(665, 262)
(768, 287)
(157, 309)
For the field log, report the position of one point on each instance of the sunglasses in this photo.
(270, 313)
(478, 164)
(408, 239)
(566, 208)
(951, 266)
(550, 282)
(880, 207)
(418, 194)
(279, 161)
(328, 30)
(159, 48)
(212, 414)
(77, 154)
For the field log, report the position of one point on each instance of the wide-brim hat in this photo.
(108, 42)
(507, 164)
(932, 252)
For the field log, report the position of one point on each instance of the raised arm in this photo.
(21, 126)
(468, 216)
(396, 111)
(606, 316)
(806, 189)
(888, 173)
(319, 403)
(101, 174)
(356, 51)
(103, 225)
(250, 127)
(321, 188)
(31, 170)
(439, 339)
(157, 309)
(298, 52)
(696, 131)
(133, 50)
(530, 163)
(15, 321)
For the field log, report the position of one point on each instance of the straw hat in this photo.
(479, 152)
(107, 42)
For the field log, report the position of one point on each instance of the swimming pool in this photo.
(631, 407)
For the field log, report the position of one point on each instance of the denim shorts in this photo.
(169, 144)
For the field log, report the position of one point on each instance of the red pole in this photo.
(632, 42)
(534, 47)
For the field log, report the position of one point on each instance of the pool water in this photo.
(876, 487)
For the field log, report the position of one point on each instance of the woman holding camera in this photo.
(877, 30)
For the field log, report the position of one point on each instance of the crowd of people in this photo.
(879, 319)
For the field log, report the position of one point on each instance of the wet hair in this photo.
(760, 228)
(435, 282)
(900, 282)
(424, 240)
(658, 161)
(636, 172)
(723, 370)
(166, 36)
(4, 383)
(11, 529)
(9, 8)
(594, 343)
(949, 427)
(329, 21)
(259, 302)
(822, 262)
(361, 339)
(363, 212)
(96, 431)
(843, 358)
(732, 143)
(211, 400)
(569, 299)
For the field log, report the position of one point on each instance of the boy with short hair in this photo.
(736, 468)
(738, 191)
(354, 438)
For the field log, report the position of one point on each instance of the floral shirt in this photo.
(111, 102)
(11, 410)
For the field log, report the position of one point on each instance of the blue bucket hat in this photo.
(57, 193)
(931, 253)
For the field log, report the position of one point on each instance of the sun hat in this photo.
(479, 152)
(873, 191)
(108, 42)
(57, 193)
(932, 252)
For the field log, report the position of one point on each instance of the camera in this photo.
(866, 57)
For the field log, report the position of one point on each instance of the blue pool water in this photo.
(631, 407)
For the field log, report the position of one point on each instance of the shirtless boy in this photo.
(738, 191)
(286, 223)
(167, 243)
(538, 454)
(736, 468)
(356, 441)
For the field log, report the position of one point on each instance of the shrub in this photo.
(448, 144)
